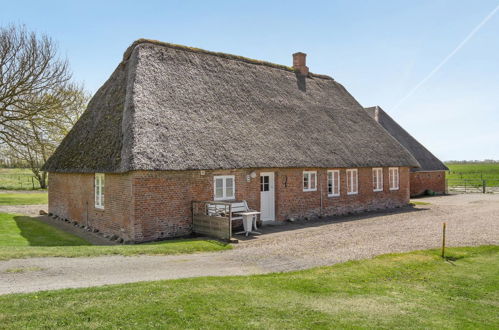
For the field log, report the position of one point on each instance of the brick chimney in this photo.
(300, 63)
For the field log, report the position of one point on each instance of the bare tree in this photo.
(29, 69)
(38, 102)
(37, 138)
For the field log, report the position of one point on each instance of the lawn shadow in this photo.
(38, 233)
(452, 259)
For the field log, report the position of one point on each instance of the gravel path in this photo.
(31, 210)
(471, 220)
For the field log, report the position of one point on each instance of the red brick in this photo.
(150, 205)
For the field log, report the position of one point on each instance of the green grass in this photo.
(17, 179)
(23, 231)
(419, 203)
(23, 198)
(474, 173)
(413, 290)
(26, 237)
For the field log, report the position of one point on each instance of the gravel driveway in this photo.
(472, 219)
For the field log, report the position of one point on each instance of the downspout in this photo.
(320, 184)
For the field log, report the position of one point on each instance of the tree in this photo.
(38, 102)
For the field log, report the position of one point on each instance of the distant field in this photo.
(473, 174)
(17, 179)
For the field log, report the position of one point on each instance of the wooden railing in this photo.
(206, 221)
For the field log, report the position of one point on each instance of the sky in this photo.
(380, 50)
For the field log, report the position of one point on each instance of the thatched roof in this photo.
(425, 158)
(169, 107)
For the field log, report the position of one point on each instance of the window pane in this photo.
(229, 188)
(336, 181)
(305, 180)
(312, 181)
(219, 188)
(330, 182)
(354, 183)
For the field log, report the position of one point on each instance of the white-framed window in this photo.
(377, 179)
(394, 178)
(99, 190)
(333, 183)
(309, 180)
(224, 187)
(352, 182)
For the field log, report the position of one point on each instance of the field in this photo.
(25, 237)
(473, 175)
(411, 290)
(31, 198)
(17, 179)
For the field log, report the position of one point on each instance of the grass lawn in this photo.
(419, 203)
(17, 179)
(23, 198)
(25, 237)
(413, 290)
(476, 172)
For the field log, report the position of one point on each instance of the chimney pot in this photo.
(300, 63)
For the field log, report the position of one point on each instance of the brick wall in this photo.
(293, 202)
(150, 205)
(422, 181)
(71, 196)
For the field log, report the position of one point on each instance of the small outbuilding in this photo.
(430, 176)
(175, 124)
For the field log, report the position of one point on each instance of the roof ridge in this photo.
(137, 42)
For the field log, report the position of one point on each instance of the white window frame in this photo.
(377, 179)
(99, 188)
(394, 179)
(224, 187)
(350, 181)
(334, 185)
(309, 175)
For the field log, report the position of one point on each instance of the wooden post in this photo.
(484, 186)
(443, 239)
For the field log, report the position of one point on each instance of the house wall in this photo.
(71, 196)
(149, 205)
(163, 199)
(422, 181)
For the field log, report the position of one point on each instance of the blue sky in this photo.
(379, 50)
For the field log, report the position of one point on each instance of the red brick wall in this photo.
(293, 202)
(71, 196)
(422, 181)
(149, 205)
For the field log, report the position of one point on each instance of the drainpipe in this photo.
(320, 184)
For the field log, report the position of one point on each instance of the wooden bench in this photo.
(235, 207)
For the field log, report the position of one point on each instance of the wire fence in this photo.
(455, 185)
(18, 181)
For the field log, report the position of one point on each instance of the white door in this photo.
(267, 196)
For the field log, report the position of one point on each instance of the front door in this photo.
(267, 196)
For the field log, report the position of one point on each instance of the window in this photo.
(333, 183)
(99, 190)
(352, 182)
(394, 178)
(309, 180)
(377, 179)
(264, 183)
(224, 187)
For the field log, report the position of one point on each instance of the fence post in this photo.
(443, 239)
(484, 186)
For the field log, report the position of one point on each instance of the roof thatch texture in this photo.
(168, 107)
(425, 158)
